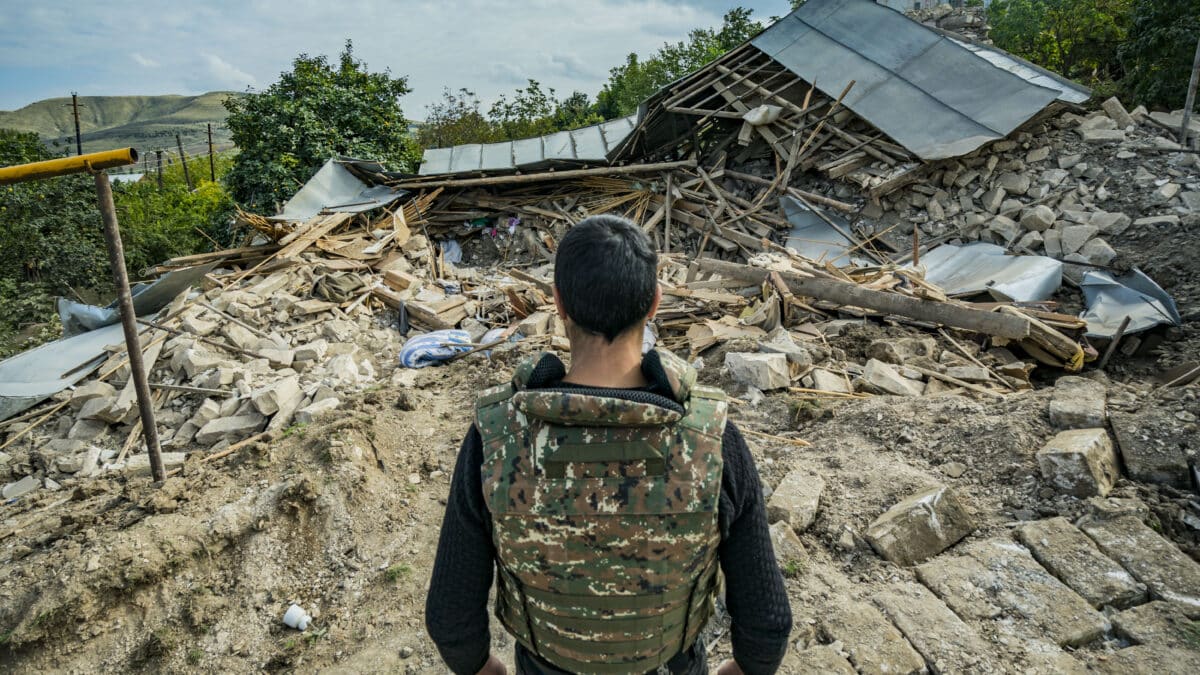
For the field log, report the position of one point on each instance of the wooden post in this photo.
(212, 167)
(182, 158)
(1184, 131)
(158, 156)
(75, 112)
(137, 369)
(1112, 346)
(667, 215)
(916, 245)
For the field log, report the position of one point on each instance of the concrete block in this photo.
(1075, 236)
(1165, 624)
(1078, 403)
(90, 391)
(1038, 218)
(779, 341)
(998, 579)
(992, 199)
(312, 411)
(313, 351)
(1100, 136)
(239, 337)
(1080, 462)
(788, 548)
(763, 371)
(1052, 241)
(1117, 113)
(898, 351)
(1154, 446)
(822, 659)
(920, 527)
(1073, 558)
(139, 465)
(796, 499)
(873, 643)
(20, 488)
(269, 399)
(1005, 229)
(1110, 223)
(938, 634)
(1013, 183)
(882, 378)
(230, 429)
(1098, 252)
(824, 380)
(1169, 573)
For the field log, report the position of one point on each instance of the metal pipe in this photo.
(137, 368)
(93, 161)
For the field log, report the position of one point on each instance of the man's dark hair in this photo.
(605, 271)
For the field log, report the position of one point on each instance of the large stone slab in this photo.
(874, 645)
(1080, 462)
(796, 499)
(1168, 624)
(1151, 559)
(1154, 446)
(1150, 660)
(763, 371)
(882, 378)
(920, 527)
(230, 428)
(1078, 403)
(1073, 557)
(999, 579)
(820, 659)
(947, 643)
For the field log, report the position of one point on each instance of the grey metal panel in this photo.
(986, 268)
(558, 146)
(525, 151)
(466, 157)
(589, 145)
(589, 142)
(496, 154)
(1071, 92)
(436, 160)
(334, 188)
(925, 91)
(1111, 298)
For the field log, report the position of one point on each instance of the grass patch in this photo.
(397, 572)
(793, 568)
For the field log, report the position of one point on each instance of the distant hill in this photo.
(143, 122)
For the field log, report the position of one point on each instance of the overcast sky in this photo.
(50, 47)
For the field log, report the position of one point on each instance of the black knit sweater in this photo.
(456, 612)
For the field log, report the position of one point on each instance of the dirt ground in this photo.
(342, 517)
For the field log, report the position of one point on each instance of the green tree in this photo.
(1078, 38)
(635, 80)
(315, 111)
(455, 120)
(528, 112)
(1158, 54)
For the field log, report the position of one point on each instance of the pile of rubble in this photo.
(968, 22)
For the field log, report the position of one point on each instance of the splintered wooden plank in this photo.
(312, 234)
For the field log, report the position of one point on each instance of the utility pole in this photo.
(1184, 130)
(75, 114)
(158, 154)
(212, 167)
(187, 177)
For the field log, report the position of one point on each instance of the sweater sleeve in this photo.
(758, 604)
(456, 613)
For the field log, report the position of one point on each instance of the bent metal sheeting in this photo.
(926, 91)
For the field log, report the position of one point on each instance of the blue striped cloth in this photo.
(430, 348)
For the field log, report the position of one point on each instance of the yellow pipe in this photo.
(93, 161)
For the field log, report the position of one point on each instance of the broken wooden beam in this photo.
(852, 295)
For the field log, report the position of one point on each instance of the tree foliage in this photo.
(635, 80)
(1158, 54)
(53, 243)
(313, 112)
(1078, 38)
(529, 111)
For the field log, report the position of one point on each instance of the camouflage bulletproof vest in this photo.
(604, 515)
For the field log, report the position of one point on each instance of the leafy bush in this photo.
(1158, 55)
(315, 111)
(1078, 38)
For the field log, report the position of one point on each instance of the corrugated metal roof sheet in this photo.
(587, 145)
(927, 92)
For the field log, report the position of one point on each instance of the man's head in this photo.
(605, 280)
